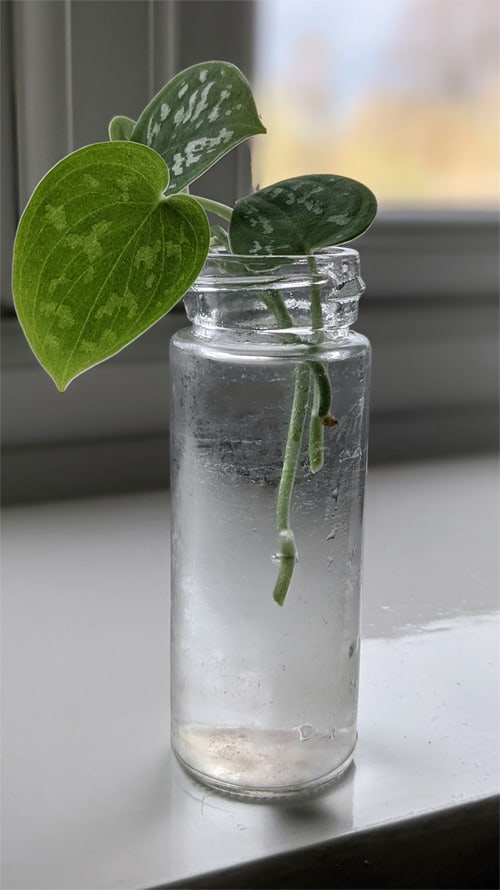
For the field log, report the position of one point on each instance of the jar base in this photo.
(269, 764)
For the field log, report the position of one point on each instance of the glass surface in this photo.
(401, 94)
(264, 698)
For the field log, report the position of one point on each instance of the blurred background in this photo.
(402, 94)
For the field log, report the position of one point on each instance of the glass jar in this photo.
(268, 459)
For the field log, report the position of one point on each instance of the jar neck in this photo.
(307, 297)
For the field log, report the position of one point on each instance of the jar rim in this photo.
(321, 253)
(336, 265)
(228, 281)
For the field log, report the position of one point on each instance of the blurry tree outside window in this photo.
(402, 94)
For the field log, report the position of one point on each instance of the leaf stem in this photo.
(216, 207)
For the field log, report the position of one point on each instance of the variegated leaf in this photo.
(198, 117)
(101, 255)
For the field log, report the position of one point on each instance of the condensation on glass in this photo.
(264, 697)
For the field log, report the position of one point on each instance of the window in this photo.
(402, 94)
(68, 66)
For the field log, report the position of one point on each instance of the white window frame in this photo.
(432, 277)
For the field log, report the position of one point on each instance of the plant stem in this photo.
(216, 207)
(320, 415)
(316, 313)
(274, 302)
(322, 382)
(315, 434)
(320, 412)
(288, 550)
(276, 305)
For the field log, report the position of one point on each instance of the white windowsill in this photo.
(91, 794)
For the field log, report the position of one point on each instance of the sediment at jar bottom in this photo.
(256, 762)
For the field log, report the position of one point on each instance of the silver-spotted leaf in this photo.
(120, 127)
(101, 255)
(300, 215)
(200, 115)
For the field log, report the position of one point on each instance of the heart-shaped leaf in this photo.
(120, 127)
(198, 117)
(297, 216)
(101, 255)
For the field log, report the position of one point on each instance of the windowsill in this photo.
(92, 796)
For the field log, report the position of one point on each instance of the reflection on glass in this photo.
(402, 94)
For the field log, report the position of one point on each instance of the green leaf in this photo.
(101, 255)
(300, 215)
(120, 128)
(198, 117)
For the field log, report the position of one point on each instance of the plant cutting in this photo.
(113, 238)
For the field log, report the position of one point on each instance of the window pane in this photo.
(402, 94)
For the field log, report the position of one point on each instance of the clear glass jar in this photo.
(263, 696)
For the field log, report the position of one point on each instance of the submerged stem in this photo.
(315, 433)
(323, 387)
(320, 416)
(288, 550)
(322, 392)
(276, 305)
